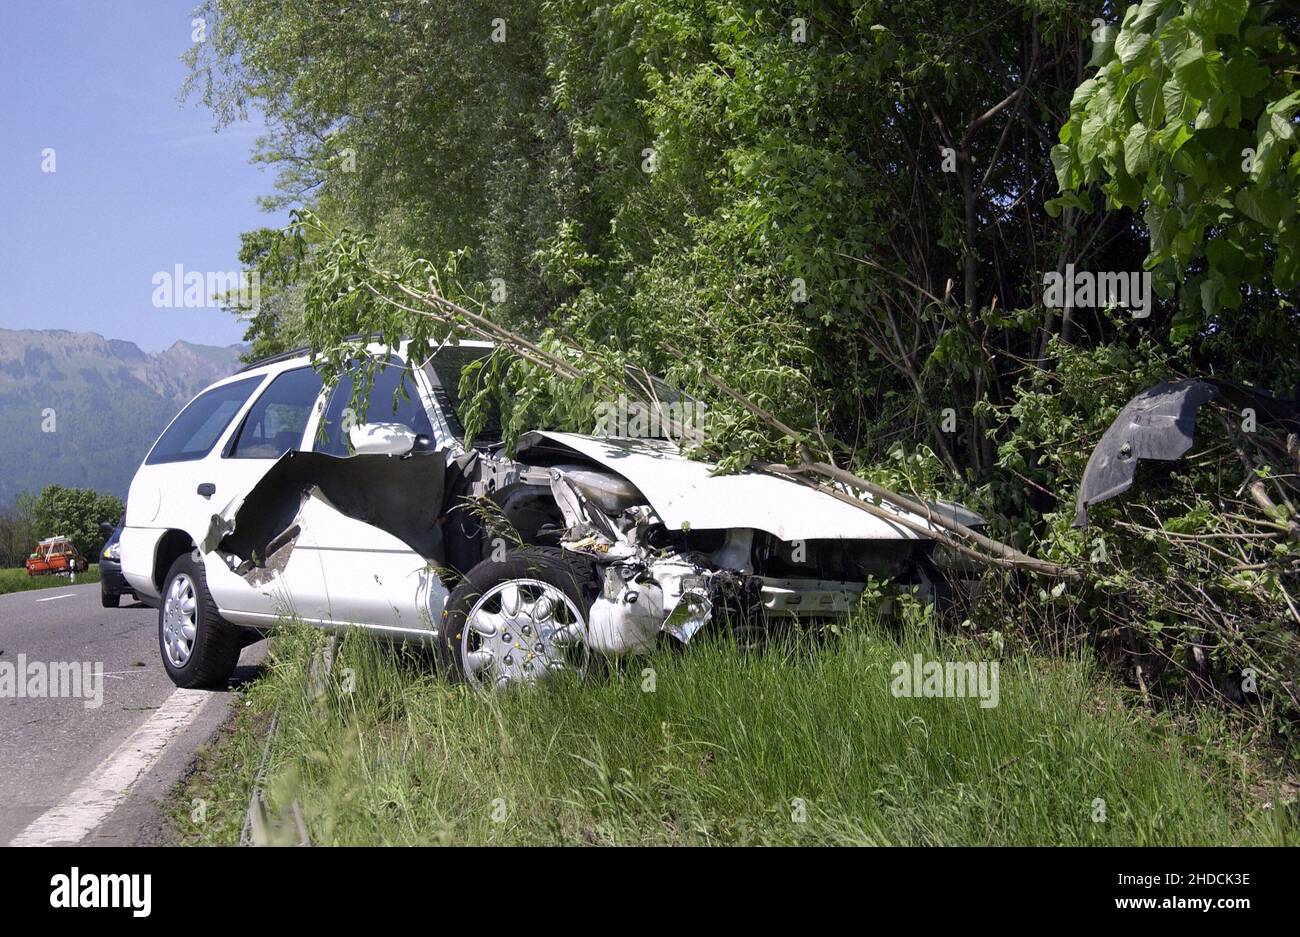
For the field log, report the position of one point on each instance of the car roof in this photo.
(299, 357)
(291, 356)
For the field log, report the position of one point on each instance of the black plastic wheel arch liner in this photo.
(1160, 423)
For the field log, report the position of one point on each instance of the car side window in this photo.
(381, 407)
(198, 427)
(275, 423)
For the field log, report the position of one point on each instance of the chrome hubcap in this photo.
(179, 620)
(522, 631)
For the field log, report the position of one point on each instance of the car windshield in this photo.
(447, 366)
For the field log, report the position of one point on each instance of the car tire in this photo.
(535, 569)
(199, 648)
(108, 599)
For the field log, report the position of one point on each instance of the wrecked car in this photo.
(268, 497)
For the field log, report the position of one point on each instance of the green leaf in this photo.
(1139, 149)
(1221, 16)
(1083, 94)
(1282, 127)
(1063, 163)
(1148, 12)
(1094, 126)
(1177, 106)
(1258, 205)
(1150, 102)
(1103, 47)
(1130, 44)
(1126, 191)
(1209, 290)
(1193, 72)
(1172, 138)
(1162, 222)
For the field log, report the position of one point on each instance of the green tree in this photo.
(17, 533)
(1191, 119)
(75, 513)
(696, 174)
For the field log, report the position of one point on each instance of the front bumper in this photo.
(111, 579)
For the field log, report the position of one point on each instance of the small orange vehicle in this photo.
(56, 555)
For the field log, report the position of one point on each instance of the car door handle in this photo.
(207, 489)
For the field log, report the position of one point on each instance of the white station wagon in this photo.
(267, 497)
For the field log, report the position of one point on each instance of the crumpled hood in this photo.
(686, 493)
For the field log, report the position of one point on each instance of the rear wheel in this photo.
(519, 620)
(199, 648)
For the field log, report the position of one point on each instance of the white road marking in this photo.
(107, 786)
(66, 595)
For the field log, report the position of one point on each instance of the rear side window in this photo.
(275, 423)
(198, 427)
(380, 408)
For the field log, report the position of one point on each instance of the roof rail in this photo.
(272, 359)
(299, 352)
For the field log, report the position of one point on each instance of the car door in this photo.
(351, 572)
(275, 424)
(178, 487)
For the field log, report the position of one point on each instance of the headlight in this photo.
(113, 551)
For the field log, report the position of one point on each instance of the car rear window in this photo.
(198, 427)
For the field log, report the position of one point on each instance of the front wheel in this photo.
(519, 620)
(106, 598)
(199, 648)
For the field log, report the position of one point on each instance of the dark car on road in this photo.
(112, 584)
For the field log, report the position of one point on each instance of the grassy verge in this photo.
(17, 580)
(795, 745)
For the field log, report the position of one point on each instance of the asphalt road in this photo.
(72, 771)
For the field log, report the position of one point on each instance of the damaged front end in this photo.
(660, 578)
(645, 589)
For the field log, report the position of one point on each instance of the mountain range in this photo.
(80, 409)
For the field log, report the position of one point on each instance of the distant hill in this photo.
(110, 402)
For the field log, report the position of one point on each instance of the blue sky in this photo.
(141, 183)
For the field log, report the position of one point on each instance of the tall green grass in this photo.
(802, 743)
(17, 580)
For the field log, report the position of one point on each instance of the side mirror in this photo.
(382, 439)
(106, 528)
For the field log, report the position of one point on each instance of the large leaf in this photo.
(1130, 44)
(1139, 149)
(1063, 163)
(1162, 222)
(1220, 17)
(1177, 105)
(1192, 70)
(1258, 205)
